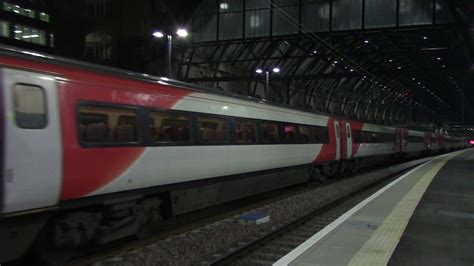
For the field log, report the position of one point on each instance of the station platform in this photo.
(424, 217)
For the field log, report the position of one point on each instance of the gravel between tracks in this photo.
(200, 245)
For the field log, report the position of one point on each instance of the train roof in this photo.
(58, 60)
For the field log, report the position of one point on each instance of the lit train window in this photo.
(104, 125)
(289, 133)
(245, 131)
(269, 132)
(170, 127)
(30, 106)
(212, 130)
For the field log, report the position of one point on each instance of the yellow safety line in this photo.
(381, 245)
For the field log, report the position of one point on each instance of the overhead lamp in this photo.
(366, 41)
(390, 60)
(399, 67)
(158, 34)
(438, 58)
(259, 71)
(425, 38)
(182, 33)
(276, 70)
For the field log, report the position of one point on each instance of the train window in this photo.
(104, 125)
(348, 129)
(337, 131)
(169, 127)
(312, 134)
(289, 133)
(269, 132)
(305, 134)
(30, 106)
(245, 131)
(212, 130)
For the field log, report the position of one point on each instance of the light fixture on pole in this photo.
(181, 33)
(267, 78)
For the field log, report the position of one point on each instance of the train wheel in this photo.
(316, 175)
(48, 253)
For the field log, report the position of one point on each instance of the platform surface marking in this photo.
(379, 248)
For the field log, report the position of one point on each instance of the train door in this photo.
(337, 133)
(348, 141)
(32, 162)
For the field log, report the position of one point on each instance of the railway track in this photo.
(263, 248)
(268, 248)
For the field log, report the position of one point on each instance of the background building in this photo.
(27, 24)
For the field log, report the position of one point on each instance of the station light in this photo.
(390, 60)
(182, 33)
(276, 70)
(224, 6)
(438, 58)
(158, 34)
(366, 41)
(259, 71)
(425, 38)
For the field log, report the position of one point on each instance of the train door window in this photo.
(212, 130)
(245, 131)
(337, 131)
(289, 133)
(348, 129)
(30, 106)
(107, 125)
(168, 127)
(269, 132)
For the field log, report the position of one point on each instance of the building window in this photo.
(19, 10)
(30, 106)
(28, 34)
(4, 28)
(98, 46)
(44, 16)
(51, 39)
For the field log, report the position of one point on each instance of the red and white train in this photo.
(92, 154)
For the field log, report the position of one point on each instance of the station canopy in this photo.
(394, 62)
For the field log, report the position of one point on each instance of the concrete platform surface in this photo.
(435, 228)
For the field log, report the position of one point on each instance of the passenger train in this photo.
(93, 154)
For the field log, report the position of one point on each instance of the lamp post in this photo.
(267, 78)
(181, 33)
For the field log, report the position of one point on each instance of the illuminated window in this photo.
(51, 39)
(28, 34)
(4, 28)
(44, 16)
